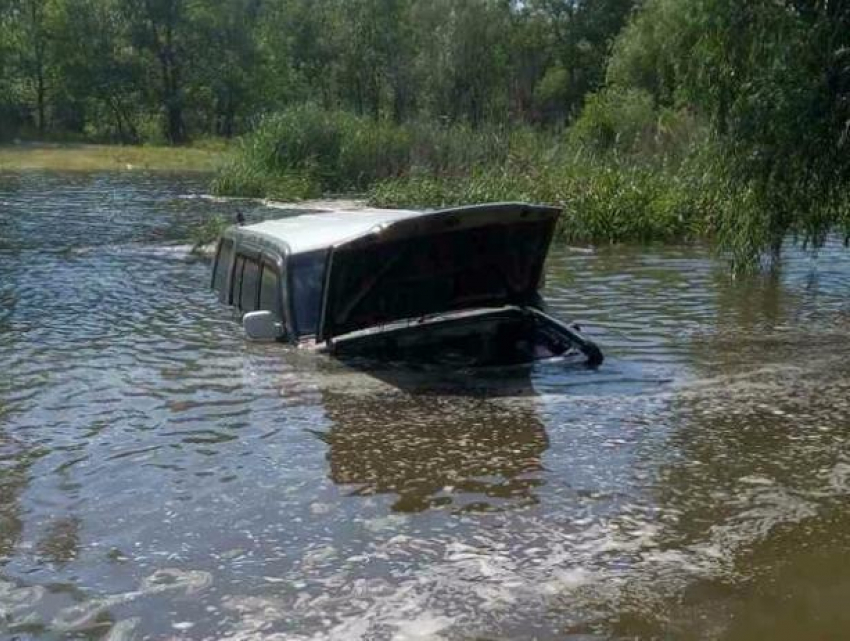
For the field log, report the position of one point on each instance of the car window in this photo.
(307, 277)
(222, 265)
(236, 282)
(249, 291)
(269, 289)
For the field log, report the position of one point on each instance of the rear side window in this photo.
(236, 283)
(269, 290)
(222, 266)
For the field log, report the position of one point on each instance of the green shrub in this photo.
(603, 201)
(334, 152)
(607, 195)
(305, 151)
(616, 119)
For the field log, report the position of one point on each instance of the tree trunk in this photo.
(229, 122)
(176, 127)
(39, 45)
(399, 104)
(119, 121)
(40, 93)
(175, 130)
(375, 96)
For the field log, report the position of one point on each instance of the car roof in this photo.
(310, 232)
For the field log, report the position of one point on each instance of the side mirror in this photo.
(262, 326)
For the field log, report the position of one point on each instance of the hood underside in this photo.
(466, 258)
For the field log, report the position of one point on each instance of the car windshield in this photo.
(307, 274)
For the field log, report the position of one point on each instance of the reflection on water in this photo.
(435, 452)
(160, 477)
(14, 463)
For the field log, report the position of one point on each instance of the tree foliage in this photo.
(771, 79)
(133, 70)
(756, 94)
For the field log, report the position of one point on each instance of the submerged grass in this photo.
(207, 157)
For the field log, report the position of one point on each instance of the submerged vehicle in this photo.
(457, 286)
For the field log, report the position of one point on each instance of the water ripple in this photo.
(271, 493)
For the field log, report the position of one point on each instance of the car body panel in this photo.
(347, 276)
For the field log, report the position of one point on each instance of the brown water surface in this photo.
(160, 476)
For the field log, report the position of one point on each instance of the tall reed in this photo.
(608, 195)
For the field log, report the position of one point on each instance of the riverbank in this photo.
(38, 156)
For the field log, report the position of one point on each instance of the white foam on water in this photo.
(425, 627)
(471, 587)
(172, 252)
(532, 565)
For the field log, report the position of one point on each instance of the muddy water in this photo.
(161, 477)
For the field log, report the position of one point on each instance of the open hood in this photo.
(456, 259)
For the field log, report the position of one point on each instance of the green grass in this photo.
(662, 182)
(78, 157)
(602, 202)
(305, 152)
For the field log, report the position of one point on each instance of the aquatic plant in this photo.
(602, 202)
(304, 150)
(622, 173)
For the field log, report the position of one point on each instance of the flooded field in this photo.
(160, 477)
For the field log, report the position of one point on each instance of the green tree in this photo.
(582, 33)
(100, 73)
(773, 81)
(160, 30)
(30, 31)
(295, 41)
(653, 51)
(231, 79)
(8, 118)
